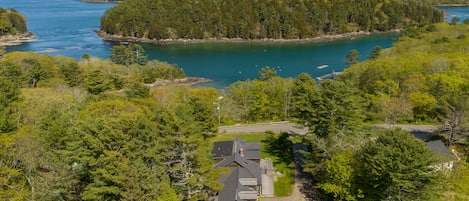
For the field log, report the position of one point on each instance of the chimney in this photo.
(241, 152)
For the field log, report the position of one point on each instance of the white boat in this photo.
(322, 67)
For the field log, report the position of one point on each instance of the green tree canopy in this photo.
(11, 22)
(127, 55)
(266, 73)
(394, 166)
(352, 57)
(247, 19)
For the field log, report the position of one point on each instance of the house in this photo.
(243, 182)
(445, 159)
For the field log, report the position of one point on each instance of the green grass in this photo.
(283, 184)
(255, 137)
(276, 147)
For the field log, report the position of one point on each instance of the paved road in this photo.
(420, 131)
(276, 127)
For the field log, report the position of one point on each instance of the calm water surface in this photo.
(66, 27)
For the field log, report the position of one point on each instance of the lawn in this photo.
(278, 148)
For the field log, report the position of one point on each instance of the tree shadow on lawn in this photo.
(280, 147)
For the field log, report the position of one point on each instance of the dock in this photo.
(332, 75)
(322, 66)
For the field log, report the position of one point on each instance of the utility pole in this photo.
(219, 109)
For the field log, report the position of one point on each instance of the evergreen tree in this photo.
(352, 57)
(267, 73)
(127, 55)
(375, 52)
(96, 82)
(395, 166)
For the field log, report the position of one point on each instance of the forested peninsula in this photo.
(158, 20)
(13, 28)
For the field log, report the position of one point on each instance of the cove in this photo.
(66, 27)
(226, 63)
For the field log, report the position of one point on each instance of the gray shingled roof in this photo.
(230, 152)
(232, 186)
(222, 149)
(441, 153)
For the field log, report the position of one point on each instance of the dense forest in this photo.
(11, 22)
(247, 19)
(93, 130)
(450, 2)
(422, 78)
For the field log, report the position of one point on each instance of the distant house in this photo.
(445, 159)
(243, 182)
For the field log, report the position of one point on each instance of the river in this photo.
(66, 27)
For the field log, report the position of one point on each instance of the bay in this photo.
(226, 63)
(460, 12)
(66, 27)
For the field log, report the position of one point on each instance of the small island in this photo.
(13, 30)
(259, 21)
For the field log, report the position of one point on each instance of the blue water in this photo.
(227, 63)
(461, 12)
(66, 27)
(63, 27)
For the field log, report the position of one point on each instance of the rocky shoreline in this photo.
(187, 81)
(324, 38)
(11, 40)
(453, 5)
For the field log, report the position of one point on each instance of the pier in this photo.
(332, 76)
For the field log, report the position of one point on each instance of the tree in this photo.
(306, 98)
(85, 56)
(202, 114)
(72, 73)
(332, 107)
(187, 159)
(392, 110)
(375, 53)
(127, 55)
(423, 104)
(96, 82)
(9, 93)
(352, 57)
(455, 113)
(466, 21)
(138, 90)
(267, 73)
(455, 20)
(138, 54)
(12, 181)
(340, 174)
(395, 166)
(35, 71)
(2, 51)
(120, 54)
